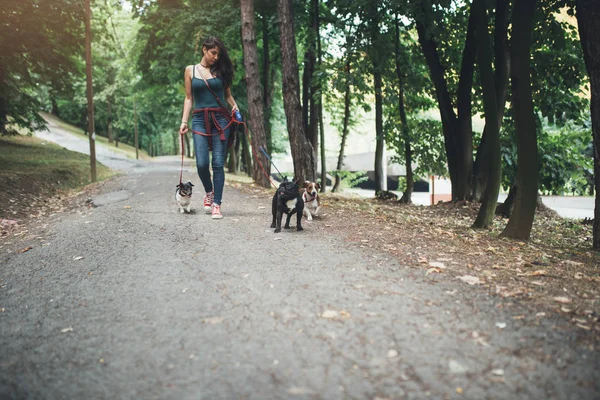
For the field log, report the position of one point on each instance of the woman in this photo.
(208, 86)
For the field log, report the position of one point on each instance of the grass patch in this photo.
(32, 171)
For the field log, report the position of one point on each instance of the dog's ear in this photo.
(306, 183)
(318, 185)
(190, 183)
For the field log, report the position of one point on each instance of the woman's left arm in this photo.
(230, 100)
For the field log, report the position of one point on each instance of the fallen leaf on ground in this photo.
(345, 314)
(470, 279)
(25, 249)
(329, 314)
(501, 325)
(69, 329)
(436, 264)
(127, 207)
(539, 272)
(77, 258)
(431, 270)
(213, 320)
(572, 263)
(562, 299)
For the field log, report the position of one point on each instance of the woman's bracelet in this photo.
(184, 122)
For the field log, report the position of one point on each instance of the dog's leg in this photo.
(299, 221)
(317, 210)
(307, 213)
(278, 225)
(189, 207)
(287, 220)
(274, 211)
(180, 210)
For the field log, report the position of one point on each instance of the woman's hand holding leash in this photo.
(183, 128)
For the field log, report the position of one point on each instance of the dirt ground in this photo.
(556, 271)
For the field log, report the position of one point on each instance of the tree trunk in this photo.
(54, 110)
(521, 220)
(452, 137)
(309, 86)
(407, 195)
(135, 131)
(89, 89)
(109, 122)
(501, 68)
(266, 83)
(505, 209)
(464, 129)
(255, 101)
(188, 149)
(232, 158)
(487, 211)
(3, 102)
(588, 15)
(246, 155)
(376, 60)
(302, 151)
(321, 125)
(346, 123)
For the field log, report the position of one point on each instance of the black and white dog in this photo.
(183, 195)
(287, 200)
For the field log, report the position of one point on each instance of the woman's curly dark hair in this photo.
(223, 68)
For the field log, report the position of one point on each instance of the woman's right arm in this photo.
(187, 103)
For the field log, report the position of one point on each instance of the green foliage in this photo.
(351, 178)
(427, 144)
(38, 41)
(565, 163)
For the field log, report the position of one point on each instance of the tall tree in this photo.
(302, 150)
(255, 100)
(90, 92)
(521, 219)
(501, 70)
(588, 15)
(484, 62)
(376, 51)
(457, 129)
(406, 196)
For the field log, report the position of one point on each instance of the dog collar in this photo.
(308, 198)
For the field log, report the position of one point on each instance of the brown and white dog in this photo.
(310, 196)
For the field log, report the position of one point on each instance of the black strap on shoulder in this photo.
(193, 71)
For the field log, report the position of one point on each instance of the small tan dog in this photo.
(311, 200)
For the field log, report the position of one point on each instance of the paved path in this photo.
(132, 300)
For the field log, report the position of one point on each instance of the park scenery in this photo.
(435, 165)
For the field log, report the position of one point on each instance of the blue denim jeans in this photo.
(219, 154)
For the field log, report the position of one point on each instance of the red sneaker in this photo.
(208, 201)
(216, 212)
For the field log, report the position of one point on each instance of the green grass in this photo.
(34, 168)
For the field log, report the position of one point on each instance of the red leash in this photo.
(221, 131)
(182, 155)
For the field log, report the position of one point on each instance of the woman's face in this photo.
(211, 56)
